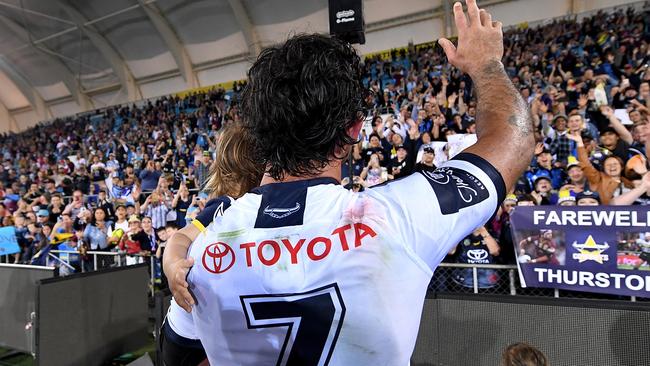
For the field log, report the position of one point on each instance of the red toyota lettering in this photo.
(310, 248)
(341, 233)
(247, 247)
(276, 252)
(360, 232)
(293, 249)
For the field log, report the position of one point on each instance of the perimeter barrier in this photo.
(84, 319)
(468, 325)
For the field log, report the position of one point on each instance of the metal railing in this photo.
(144, 194)
(495, 279)
(447, 278)
(118, 259)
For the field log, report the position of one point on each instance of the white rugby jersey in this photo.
(309, 273)
(178, 319)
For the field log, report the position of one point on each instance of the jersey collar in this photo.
(296, 183)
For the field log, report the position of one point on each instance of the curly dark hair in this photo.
(302, 97)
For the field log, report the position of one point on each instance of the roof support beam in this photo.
(244, 20)
(66, 75)
(33, 96)
(7, 120)
(447, 30)
(116, 61)
(172, 41)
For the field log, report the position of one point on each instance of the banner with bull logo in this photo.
(602, 249)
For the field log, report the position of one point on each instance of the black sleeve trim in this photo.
(206, 216)
(488, 169)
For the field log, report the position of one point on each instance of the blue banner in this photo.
(603, 249)
(8, 242)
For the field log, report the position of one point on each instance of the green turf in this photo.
(23, 359)
(627, 266)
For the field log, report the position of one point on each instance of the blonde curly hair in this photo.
(234, 172)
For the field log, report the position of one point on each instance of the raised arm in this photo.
(630, 196)
(503, 123)
(616, 124)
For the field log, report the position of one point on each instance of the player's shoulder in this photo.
(215, 207)
(461, 182)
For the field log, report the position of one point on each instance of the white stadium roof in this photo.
(60, 57)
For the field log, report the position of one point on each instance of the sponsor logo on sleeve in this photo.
(456, 189)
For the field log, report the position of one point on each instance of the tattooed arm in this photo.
(503, 123)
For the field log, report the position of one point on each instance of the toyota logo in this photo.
(218, 258)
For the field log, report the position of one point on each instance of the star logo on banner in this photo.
(590, 251)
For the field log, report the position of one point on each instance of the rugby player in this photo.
(301, 271)
(644, 255)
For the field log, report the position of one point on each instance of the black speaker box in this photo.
(346, 20)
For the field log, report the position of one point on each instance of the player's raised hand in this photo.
(178, 285)
(480, 40)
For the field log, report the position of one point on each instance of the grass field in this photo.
(630, 267)
(9, 358)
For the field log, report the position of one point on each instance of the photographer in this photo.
(156, 208)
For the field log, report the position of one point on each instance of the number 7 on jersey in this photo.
(313, 320)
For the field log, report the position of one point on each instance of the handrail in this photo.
(479, 266)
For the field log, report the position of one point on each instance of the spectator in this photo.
(96, 235)
(43, 217)
(104, 202)
(566, 198)
(147, 237)
(523, 354)
(358, 163)
(150, 176)
(202, 167)
(149, 242)
(560, 145)
(63, 226)
(577, 181)
(75, 207)
(544, 162)
(477, 248)
(373, 173)
(609, 182)
(130, 242)
(588, 198)
(55, 208)
(400, 166)
(156, 208)
(182, 201)
(426, 165)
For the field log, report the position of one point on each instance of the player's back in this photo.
(308, 273)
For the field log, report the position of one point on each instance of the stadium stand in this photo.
(583, 78)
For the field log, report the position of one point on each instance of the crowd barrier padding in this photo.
(18, 304)
(460, 330)
(87, 319)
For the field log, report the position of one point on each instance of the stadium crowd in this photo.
(124, 178)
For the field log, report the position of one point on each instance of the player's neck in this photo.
(332, 170)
